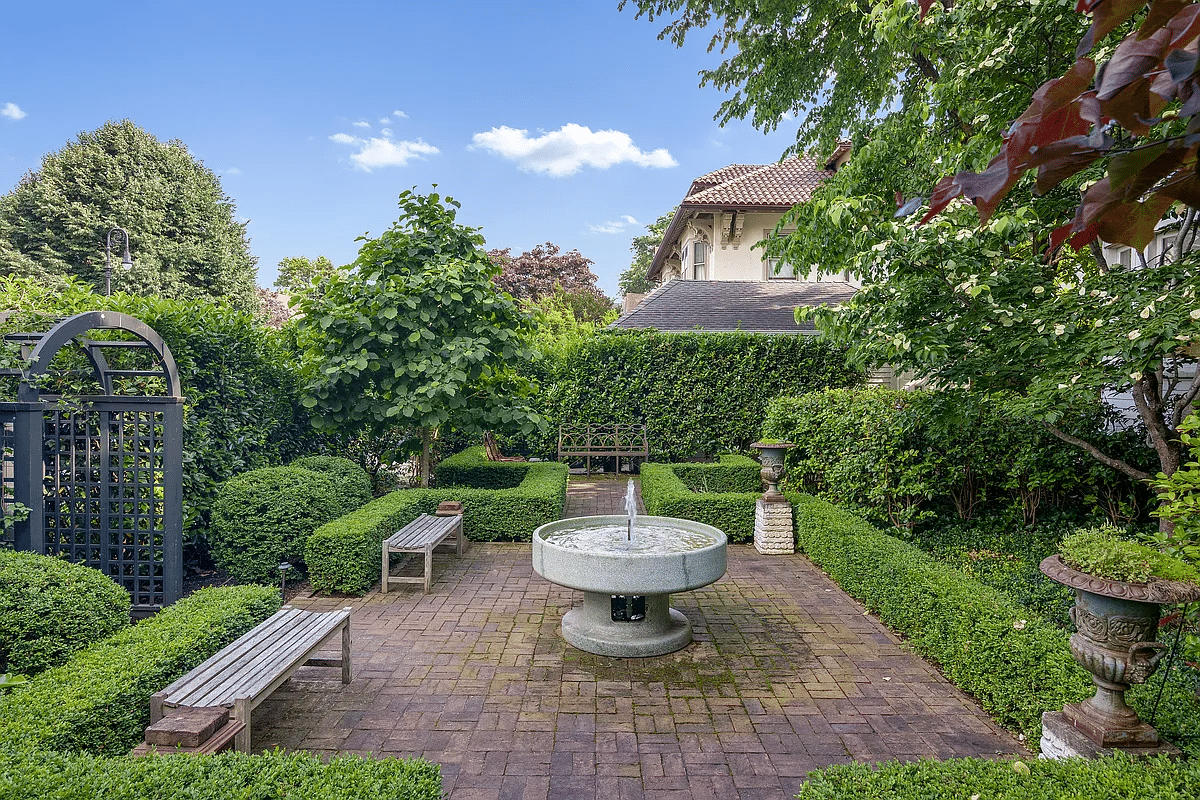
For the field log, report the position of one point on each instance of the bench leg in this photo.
(242, 711)
(156, 707)
(462, 537)
(383, 587)
(428, 567)
(346, 652)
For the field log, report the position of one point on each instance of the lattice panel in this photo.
(6, 478)
(105, 491)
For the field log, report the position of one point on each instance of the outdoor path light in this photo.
(126, 261)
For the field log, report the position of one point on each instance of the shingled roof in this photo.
(745, 187)
(752, 306)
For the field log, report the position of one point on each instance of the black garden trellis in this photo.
(100, 474)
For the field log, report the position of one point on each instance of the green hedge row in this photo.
(50, 608)
(693, 391)
(982, 640)
(351, 478)
(471, 468)
(26, 775)
(1115, 777)
(99, 700)
(666, 493)
(344, 555)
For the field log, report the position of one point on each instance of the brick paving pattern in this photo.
(787, 674)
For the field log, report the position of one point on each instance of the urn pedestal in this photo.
(1116, 626)
(773, 532)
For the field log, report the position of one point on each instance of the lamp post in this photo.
(126, 261)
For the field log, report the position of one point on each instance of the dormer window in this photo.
(699, 261)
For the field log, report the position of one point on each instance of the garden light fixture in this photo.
(126, 261)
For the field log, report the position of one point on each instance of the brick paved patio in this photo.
(786, 675)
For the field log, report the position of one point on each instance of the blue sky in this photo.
(567, 122)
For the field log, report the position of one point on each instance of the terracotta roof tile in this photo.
(783, 184)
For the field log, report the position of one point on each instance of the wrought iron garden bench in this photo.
(602, 441)
(245, 673)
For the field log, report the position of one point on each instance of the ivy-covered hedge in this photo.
(982, 640)
(344, 555)
(1117, 777)
(26, 775)
(352, 479)
(99, 700)
(264, 516)
(693, 391)
(50, 608)
(900, 457)
(666, 494)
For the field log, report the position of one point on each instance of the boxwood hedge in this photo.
(99, 700)
(26, 775)
(344, 555)
(352, 478)
(1114, 777)
(721, 493)
(1014, 664)
(50, 608)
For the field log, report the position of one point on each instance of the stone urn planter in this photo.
(770, 455)
(1116, 625)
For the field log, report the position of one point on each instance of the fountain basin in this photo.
(692, 555)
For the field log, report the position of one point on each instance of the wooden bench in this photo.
(421, 536)
(602, 441)
(245, 673)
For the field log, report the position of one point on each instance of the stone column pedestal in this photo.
(773, 527)
(1061, 739)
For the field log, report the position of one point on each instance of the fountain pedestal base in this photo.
(591, 627)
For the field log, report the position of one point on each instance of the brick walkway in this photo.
(786, 675)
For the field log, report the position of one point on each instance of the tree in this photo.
(184, 239)
(416, 334)
(298, 273)
(635, 280)
(543, 272)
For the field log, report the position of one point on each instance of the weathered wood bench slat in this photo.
(242, 674)
(421, 535)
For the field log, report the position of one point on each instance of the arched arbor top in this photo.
(39, 350)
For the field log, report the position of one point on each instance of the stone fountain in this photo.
(627, 568)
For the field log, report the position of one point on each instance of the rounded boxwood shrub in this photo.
(50, 608)
(353, 478)
(264, 516)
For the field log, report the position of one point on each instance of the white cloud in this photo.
(399, 115)
(12, 111)
(386, 133)
(385, 120)
(232, 171)
(374, 152)
(614, 226)
(562, 152)
(361, 124)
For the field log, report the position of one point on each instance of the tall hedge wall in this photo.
(693, 391)
(344, 555)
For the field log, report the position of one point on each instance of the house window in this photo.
(777, 268)
(1168, 242)
(699, 261)
(1127, 257)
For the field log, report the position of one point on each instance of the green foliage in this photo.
(1180, 493)
(99, 700)
(634, 279)
(705, 493)
(263, 517)
(416, 334)
(906, 457)
(1103, 553)
(980, 638)
(184, 239)
(1117, 776)
(344, 555)
(50, 608)
(240, 383)
(470, 467)
(297, 776)
(706, 392)
(299, 274)
(351, 479)
(542, 272)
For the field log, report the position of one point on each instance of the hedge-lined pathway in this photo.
(786, 675)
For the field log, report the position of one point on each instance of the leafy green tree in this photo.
(634, 279)
(184, 239)
(299, 274)
(416, 334)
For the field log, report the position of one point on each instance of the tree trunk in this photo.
(426, 437)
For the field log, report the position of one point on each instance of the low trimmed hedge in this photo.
(1013, 663)
(99, 700)
(729, 473)
(352, 478)
(1114, 777)
(471, 468)
(344, 555)
(666, 493)
(50, 608)
(264, 516)
(26, 775)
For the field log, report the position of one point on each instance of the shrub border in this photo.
(666, 494)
